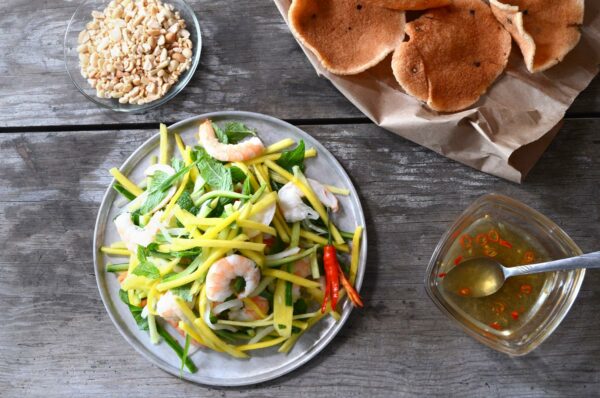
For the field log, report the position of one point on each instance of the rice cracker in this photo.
(545, 30)
(347, 36)
(453, 55)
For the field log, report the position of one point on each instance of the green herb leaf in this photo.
(185, 292)
(177, 164)
(247, 188)
(214, 173)
(147, 269)
(237, 175)
(221, 136)
(293, 157)
(186, 203)
(184, 356)
(236, 131)
(155, 195)
(136, 312)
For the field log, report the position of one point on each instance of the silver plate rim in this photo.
(143, 151)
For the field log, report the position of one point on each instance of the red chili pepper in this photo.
(457, 260)
(442, 274)
(493, 235)
(332, 278)
(465, 291)
(505, 243)
(354, 297)
(496, 325)
(515, 315)
(526, 288)
(465, 241)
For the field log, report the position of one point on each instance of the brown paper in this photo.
(503, 134)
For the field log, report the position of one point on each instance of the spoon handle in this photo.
(590, 260)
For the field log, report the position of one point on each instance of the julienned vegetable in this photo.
(230, 253)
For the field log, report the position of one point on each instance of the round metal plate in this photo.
(214, 368)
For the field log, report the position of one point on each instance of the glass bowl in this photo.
(77, 23)
(524, 318)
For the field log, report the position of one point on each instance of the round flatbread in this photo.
(452, 56)
(407, 5)
(545, 30)
(347, 36)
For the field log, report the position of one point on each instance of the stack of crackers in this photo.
(450, 52)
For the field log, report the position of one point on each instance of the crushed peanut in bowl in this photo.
(134, 51)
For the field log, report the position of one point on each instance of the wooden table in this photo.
(56, 338)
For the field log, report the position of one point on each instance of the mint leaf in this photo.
(237, 175)
(221, 136)
(213, 172)
(236, 131)
(155, 195)
(247, 188)
(185, 292)
(293, 157)
(147, 269)
(177, 164)
(186, 203)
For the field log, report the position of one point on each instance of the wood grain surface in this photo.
(56, 339)
(249, 61)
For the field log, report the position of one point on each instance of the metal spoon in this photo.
(484, 276)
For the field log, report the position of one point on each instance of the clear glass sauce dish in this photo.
(527, 309)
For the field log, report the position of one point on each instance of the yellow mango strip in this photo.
(257, 226)
(281, 230)
(152, 299)
(180, 145)
(118, 245)
(169, 267)
(194, 335)
(214, 256)
(258, 258)
(316, 294)
(167, 214)
(300, 325)
(248, 324)
(189, 320)
(310, 195)
(133, 262)
(295, 235)
(187, 159)
(279, 216)
(127, 184)
(136, 282)
(187, 219)
(277, 178)
(186, 244)
(335, 315)
(247, 171)
(286, 276)
(210, 336)
(280, 145)
(114, 251)
(282, 314)
(322, 240)
(262, 344)
(266, 201)
(355, 253)
(196, 286)
(337, 190)
(226, 222)
(310, 153)
(164, 145)
(248, 303)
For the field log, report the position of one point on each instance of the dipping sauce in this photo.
(513, 304)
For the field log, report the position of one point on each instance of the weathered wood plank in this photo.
(249, 62)
(56, 339)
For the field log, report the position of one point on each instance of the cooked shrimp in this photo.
(222, 273)
(324, 195)
(132, 235)
(240, 152)
(294, 209)
(292, 206)
(302, 269)
(167, 308)
(248, 314)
